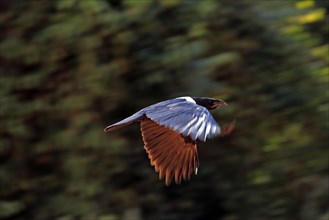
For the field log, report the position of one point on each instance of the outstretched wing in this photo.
(187, 118)
(172, 155)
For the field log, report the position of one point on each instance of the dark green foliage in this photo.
(69, 68)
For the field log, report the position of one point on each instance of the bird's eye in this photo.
(210, 102)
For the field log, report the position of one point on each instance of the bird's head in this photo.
(209, 103)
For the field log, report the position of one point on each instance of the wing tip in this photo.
(179, 159)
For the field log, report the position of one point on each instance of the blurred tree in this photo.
(70, 67)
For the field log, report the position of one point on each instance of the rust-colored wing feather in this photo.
(172, 155)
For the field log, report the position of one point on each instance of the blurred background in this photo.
(71, 67)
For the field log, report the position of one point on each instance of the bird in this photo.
(170, 130)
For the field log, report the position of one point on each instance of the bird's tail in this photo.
(124, 122)
(115, 126)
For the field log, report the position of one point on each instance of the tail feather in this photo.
(124, 122)
(115, 126)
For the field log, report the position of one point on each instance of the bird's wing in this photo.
(189, 119)
(172, 155)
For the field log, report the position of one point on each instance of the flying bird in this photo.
(170, 130)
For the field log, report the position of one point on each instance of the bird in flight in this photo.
(170, 130)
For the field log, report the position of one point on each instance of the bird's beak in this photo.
(219, 103)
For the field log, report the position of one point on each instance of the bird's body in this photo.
(170, 130)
